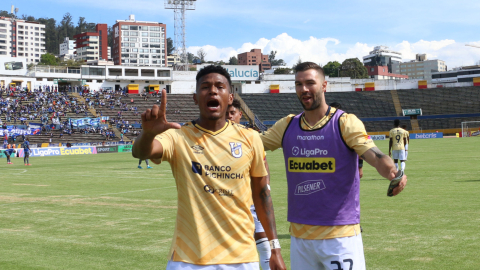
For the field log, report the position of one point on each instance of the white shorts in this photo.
(406, 151)
(399, 154)
(329, 254)
(171, 265)
(258, 224)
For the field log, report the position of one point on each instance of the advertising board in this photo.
(434, 135)
(125, 148)
(63, 151)
(377, 137)
(107, 149)
(240, 72)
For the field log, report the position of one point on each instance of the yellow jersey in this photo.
(355, 136)
(397, 135)
(213, 172)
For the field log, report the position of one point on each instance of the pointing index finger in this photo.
(163, 104)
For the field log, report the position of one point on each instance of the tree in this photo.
(81, 26)
(201, 55)
(353, 68)
(48, 59)
(170, 48)
(282, 71)
(271, 56)
(332, 69)
(190, 57)
(4, 13)
(275, 62)
(233, 61)
(111, 37)
(298, 62)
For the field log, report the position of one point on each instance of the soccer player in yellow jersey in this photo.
(218, 168)
(321, 148)
(234, 114)
(397, 142)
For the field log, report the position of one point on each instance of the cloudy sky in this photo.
(313, 30)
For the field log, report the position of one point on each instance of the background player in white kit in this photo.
(397, 143)
(234, 114)
(407, 136)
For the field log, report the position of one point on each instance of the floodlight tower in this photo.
(179, 7)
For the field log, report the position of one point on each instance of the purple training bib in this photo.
(322, 175)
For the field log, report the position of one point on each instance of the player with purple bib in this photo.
(321, 147)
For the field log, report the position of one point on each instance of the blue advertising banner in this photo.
(19, 132)
(377, 137)
(434, 135)
(85, 122)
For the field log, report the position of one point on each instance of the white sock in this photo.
(396, 166)
(403, 165)
(263, 247)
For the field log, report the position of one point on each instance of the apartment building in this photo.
(139, 43)
(92, 45)
(420, 68)
(382, 56)
(254, 57)
(20, 38)
(67, 48)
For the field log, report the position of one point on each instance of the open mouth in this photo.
(213, 104)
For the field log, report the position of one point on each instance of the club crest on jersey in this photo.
(236, 149)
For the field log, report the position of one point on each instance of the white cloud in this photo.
(323, 50)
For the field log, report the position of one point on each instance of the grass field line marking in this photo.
(136, 190)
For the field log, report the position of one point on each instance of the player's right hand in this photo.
(154, 120)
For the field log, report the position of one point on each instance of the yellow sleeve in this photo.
(167, 139)
(354, 134)
(272, 138)
(257, 169)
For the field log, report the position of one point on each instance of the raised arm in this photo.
(154, 122)
(385, 166)
(264, 208)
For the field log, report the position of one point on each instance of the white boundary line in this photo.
(135, 191)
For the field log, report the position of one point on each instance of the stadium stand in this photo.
(446, 107)
(443, 108)
(19, 108)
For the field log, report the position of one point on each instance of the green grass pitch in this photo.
(101, 212)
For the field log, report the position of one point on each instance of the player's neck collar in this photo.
(209, 131)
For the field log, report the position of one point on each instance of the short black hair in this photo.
(309, 65)
(214, 69)
(396, 122)
(336, 105)
(236, 104)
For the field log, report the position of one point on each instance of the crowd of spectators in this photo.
(48, 107)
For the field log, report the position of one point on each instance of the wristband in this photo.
(274, 244)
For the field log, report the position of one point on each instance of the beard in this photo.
(315, 102)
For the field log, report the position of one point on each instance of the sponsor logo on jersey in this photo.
(197, 167)
(220, 192)
(310, 138)
(216, 171)
(308, 152)
(308, 187)
(311, 165)
(197, 149)
(236, 149)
